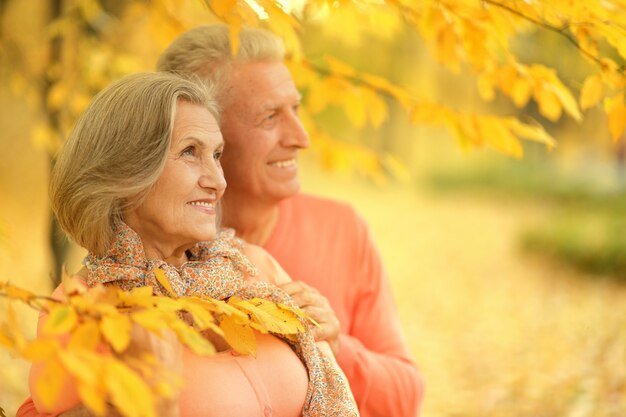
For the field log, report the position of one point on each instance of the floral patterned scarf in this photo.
(217, 269)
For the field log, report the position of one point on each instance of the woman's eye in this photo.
(217, 155)
(189, 151)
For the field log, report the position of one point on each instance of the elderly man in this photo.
(323, 245)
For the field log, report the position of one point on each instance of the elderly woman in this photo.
(137, 184)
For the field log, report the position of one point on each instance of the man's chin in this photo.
(286, 191)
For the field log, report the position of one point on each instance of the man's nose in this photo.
(294, 134)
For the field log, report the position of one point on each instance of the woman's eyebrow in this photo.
(200, 143)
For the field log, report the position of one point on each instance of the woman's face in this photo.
(179, 210)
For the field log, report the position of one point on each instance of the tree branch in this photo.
(562, 31)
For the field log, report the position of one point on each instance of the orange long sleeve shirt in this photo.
(327, 245)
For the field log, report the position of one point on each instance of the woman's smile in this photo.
(207, 206)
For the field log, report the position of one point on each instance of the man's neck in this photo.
(254, 222)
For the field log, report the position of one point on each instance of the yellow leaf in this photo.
(485, 87)
(377, 82)
(40, 350)
(167, 389)
(592, 91)
(17, 293)
(192, 339)
(344, 24)
(138, 297)
(217, 306)
(5, 339)
(397, 169)
(240, 337)
(201, 315)
(375, 107)
(507, 78)
(569, 102)
(234, 27)
(354, 106)
(497, 134)
(535, 133)
(129, 392)
(62, 319)
(317, 99)
(447, 49)
(162, 278)
(275, 319)
(222, 7)
(72, 285)
(612, 74)
(616, 113)
(141, 292)
(11, 329)
(338, 67)
(549, 104)
(94, 398)
(99, 299)
(49, 382)
(302, 74)
(152, 319)
(167, 304)
(83, 365)
(521, 92)
(85, 336)
(116, 330)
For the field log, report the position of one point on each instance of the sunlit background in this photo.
(509, 275)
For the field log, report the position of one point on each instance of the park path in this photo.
(496, 332)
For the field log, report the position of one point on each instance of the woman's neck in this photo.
(175, 257)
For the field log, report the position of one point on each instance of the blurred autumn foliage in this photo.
(80, 46)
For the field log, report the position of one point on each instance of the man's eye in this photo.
(217, 155)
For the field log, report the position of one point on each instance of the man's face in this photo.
(263, 133)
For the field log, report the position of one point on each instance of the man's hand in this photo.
(318, 307)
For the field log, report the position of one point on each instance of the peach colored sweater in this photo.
(327, 245)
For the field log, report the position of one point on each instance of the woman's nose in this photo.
(213, 178)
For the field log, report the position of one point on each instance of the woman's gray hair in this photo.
(117, 151)
(206, 52)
